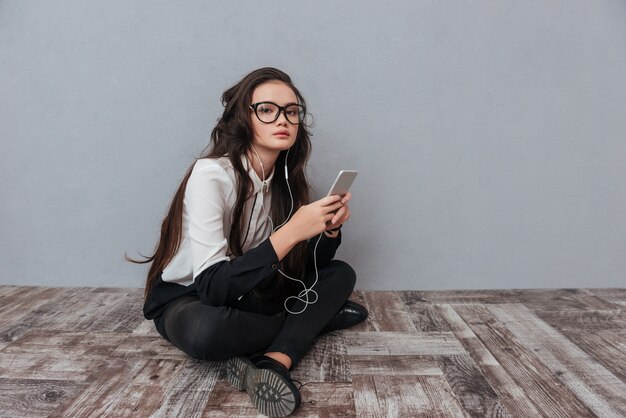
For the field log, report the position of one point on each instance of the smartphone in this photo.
(343, 182)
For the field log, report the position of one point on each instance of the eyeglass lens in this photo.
(268, 112)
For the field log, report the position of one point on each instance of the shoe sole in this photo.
(236, 368)
(268, 391)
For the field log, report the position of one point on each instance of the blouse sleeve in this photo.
(219, 280)
(205, 200)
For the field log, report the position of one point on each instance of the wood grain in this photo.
(607, 347)
(390, 396)
(402, 343)
(147, 346)
(544, 389)
(188, 393)
(88, 352)
(393, 365)
(509, 392)
(594, 385)
(473, 391)
(108, 384)
(442, 400)
(393, 314)
(326, 361)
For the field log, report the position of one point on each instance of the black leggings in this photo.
(253, 325)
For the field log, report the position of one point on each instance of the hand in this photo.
(312, 219)
(342, 215)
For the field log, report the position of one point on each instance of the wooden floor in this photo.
(81, 352)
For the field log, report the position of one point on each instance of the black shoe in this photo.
(350, 314)
(267, 382)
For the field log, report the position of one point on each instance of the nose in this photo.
(282, 118)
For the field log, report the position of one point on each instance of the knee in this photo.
(343, 275)
(208, 342)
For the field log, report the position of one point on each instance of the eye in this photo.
(293, 110)
(266, 109)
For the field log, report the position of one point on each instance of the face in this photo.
(280, 134)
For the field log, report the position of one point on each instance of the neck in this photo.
(268, 158)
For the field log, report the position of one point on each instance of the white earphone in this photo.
(303, 296)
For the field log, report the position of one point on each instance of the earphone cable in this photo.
(303, 296)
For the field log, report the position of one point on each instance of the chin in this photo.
(283, 144)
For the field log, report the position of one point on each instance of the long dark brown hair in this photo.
(232, 137)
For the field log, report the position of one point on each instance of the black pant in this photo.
(254, 325)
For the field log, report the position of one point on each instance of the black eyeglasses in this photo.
(268, 112)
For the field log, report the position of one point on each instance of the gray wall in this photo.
(489, 134)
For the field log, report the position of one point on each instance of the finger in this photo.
(344, 218)
(340, 213)
(346, 198)
(332, 208)
(328, 200)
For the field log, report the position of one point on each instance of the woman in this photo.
(239, 235)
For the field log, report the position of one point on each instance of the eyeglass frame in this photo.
(282, 109)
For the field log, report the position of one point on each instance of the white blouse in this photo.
(207, 211)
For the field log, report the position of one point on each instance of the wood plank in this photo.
(144, 346)
(593, 301)
(402, 343)
(424, 315)
(554, 352)
(146, 328)
(591, 320)
(484, 296)
(442, 400)
(32, 398)
(145, 393)
(509, 392)
(473, 391)
(15, 305)
(595, 386)
(108, 384)
(104, 312)
(126, 314)
(68, 344)
(15, 294)
(226, 401)
(613, 295)
(546, 299)
(387, 312)
(326, 400)
(605, 347)
(545, 390)
(60, 313)
(318, 400)
(390, 396)
(326, 361)
(64, 311)
(188, 394)
(48, 366)
(8, 290)
(394, 365)
(12, 331)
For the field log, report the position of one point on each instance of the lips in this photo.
(285, 133)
